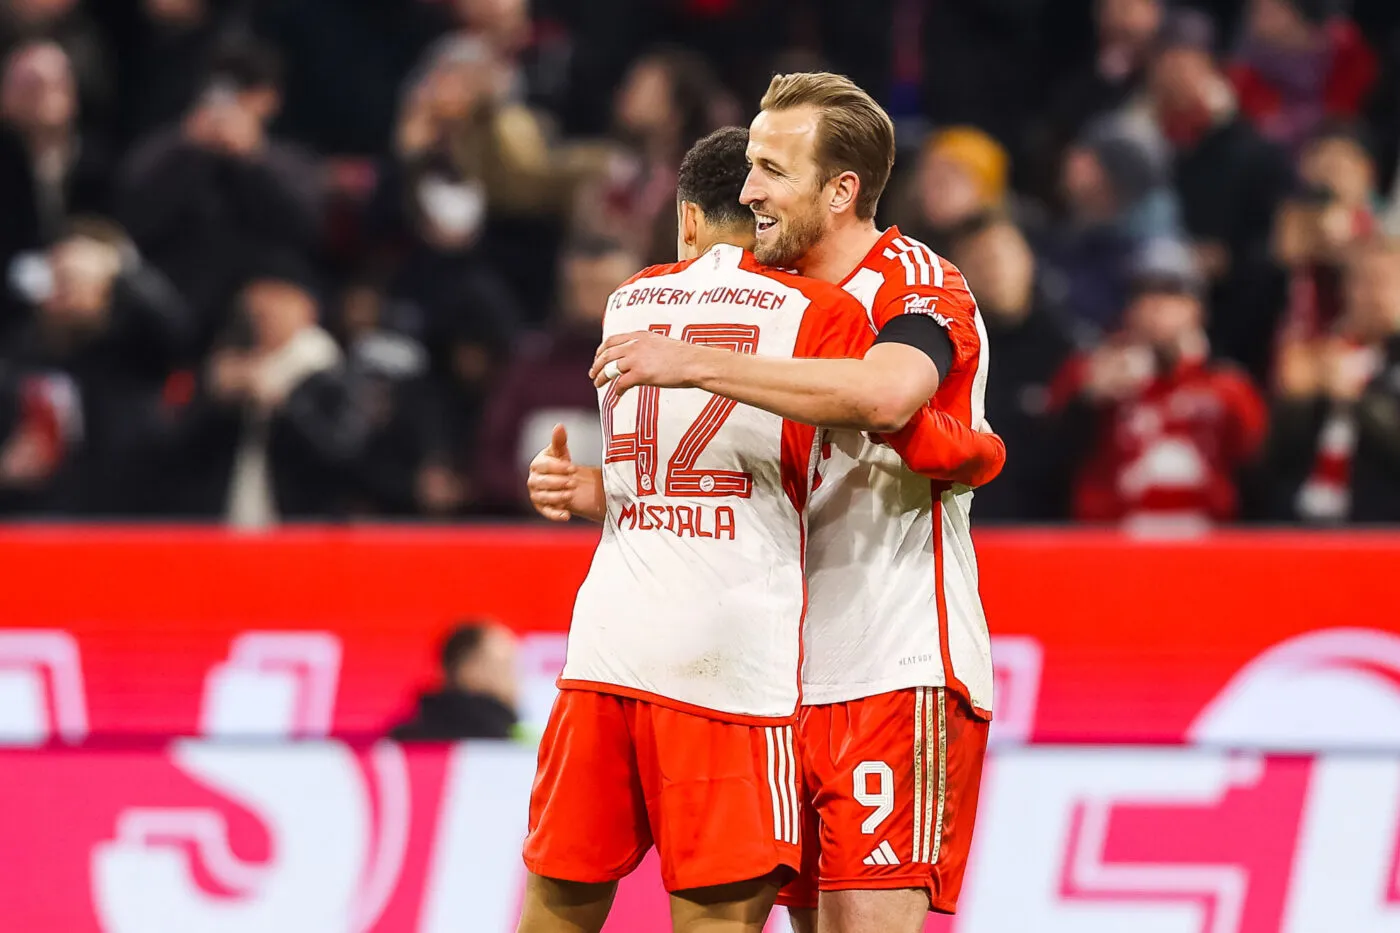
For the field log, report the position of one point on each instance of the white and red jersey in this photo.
(891, 573)
(696, 595)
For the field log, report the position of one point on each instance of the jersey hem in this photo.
(680, 706)
(845, 693)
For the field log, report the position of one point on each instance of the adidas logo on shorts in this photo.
(883, 855)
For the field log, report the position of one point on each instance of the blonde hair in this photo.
(854, 133)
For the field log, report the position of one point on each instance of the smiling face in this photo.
(785, 189)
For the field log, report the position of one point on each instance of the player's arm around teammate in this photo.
(881, 393)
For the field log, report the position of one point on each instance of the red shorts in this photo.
(617, 775)
(891, 785)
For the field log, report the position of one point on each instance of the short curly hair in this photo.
(712, 175)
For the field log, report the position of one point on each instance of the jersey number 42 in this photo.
(639, 446)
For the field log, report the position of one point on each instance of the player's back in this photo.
(696, 596)
(891, 570)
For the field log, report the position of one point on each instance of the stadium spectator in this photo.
(258, 444)
(67, 24)
(65, 171)
(1124, 31)
(1301, 63)
(173, 43)
(546, 383)
(669, 99)
(1155, 431)
(462, 159)
(1116, 198)
(1334, 452)
(203, 198)
(961, 181)
(391, 416)
(1230, 181)
(104, 332)
(1030, 341)
(1316, 230)
(479, 693)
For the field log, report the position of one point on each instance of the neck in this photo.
(840, 251)
(741, 237)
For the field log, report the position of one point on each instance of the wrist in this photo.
(703, 367)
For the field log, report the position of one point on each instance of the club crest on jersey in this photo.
(924, 304)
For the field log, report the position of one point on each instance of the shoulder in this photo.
(945, 297)
(652, 272)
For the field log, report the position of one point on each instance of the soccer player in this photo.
(897, 676)
(674, 726)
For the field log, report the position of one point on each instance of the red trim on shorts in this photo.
(679, 706)
(949, 678)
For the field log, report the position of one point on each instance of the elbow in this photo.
(888, 413)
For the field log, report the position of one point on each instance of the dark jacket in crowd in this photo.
(1028, 354)
(310, 450)
(1230, 182)
(201, 216)
(102, 394)
(449, 715)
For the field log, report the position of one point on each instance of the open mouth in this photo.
(764, 223)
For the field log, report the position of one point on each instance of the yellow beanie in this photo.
(982, 156)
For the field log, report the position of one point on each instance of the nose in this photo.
(753, 189)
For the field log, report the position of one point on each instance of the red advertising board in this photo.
(1100, 638)
(1270, 664)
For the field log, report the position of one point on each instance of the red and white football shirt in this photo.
(891, 573)
(695, 598)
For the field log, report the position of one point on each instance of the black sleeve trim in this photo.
(922, 333)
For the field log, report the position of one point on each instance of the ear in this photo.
(845, 189)
(688, 219)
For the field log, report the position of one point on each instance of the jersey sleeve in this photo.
(935, 444)
(948, 304)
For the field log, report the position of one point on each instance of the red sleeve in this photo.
(949, 303)
(939, 446)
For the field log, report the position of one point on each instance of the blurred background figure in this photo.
(174, 40)
(1333, 450)
(1125, 32)
(1156, 432)
(256, 445)
(1030, 339)
(203, 197)
(479, 693)
(1116, 197)
(960, 183)
(1229, 180)
(543, 387)
(1301, 62)
(54, 170)
(1334, 207)
(72, 27)
(669, 99)
(87, 369)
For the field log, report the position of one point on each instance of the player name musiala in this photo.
(683, 521)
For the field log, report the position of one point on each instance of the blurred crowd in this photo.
(269, 261)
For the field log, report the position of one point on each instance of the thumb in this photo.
(559, 443)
